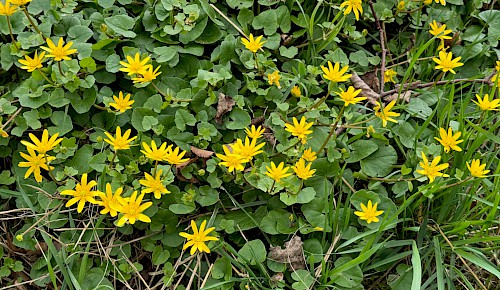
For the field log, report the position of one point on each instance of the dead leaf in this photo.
(292, 254)
(225, 104)
(201, 152)
(403, 96)
(372, 80)
(257, 121)
(366, 91)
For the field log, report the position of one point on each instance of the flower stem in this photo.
(45, 77)
(156, 168)
(315, 105)
(11, 35)
(113, 160)
(60, 68)
(272, 187)
(170, 97)
(332, 130)
(286, 149)
(50, 169)
(32, 22)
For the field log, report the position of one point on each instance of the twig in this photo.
(382, 46)
(11, 118)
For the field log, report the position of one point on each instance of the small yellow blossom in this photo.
(148, 75)
(156, 153)
(19, 238)
(477, 169)
(253, 44)
(309, 155)
(82, 193)
(354, 6)
(255, 133)
(334, 73)
(389, 75)
(121, 103)
(120, 142)
(59, 52)
(110, 200)
(135, 65)
(302, 170)
(7, 9)
(439, 31)
(248, 149)
(427, 2)
(319, 229)
(295, 91)
(45, 144)
(386, 114)
(230, 160)
(350, 96)
(35, 162)
(20, 2)
(3, 133)
(446, 63)
(401, 6)
(174, 157)
(432, 170)
(197, 240)
(274, 78)
(132, 209)
(279, 172)
(485, 104)
(443, 2)
(31, 64)
(299, 130)
(449, 140)
(154, 184)
(369, 213)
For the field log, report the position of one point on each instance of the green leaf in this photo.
(361, 149)
(303, 278)
(82, 105)
(183, 118)
(138, 116)
(417, 268)
(160, 256)
(106, 3)
(80, 160)
(80, 33)
(254, 252)
(178, 208)
(289, 52)
(304, 196)
(113, 63)
(32, 119)
(479, 261)
(359, 57)
(267, 20)
(350, 278)
(207, 196)
(240, 119)
(63, 123)
(380, 163)
(406, 134)
(121, 24)
(165, 53)
(6, 179)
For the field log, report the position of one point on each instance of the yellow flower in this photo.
(230, 160)
(3, 133)
(35, 163)
(83, 193)
(253, 44)
(7, 9)
(349, 96)
(485, 104)
(440, 31)
(20, 2)
(174, 157)
(302, 170)
(309, 155)
(443, 2)
(135, 65)
(334, 73)
(45, 144)
(319, 229)
(154, 153)
(477, 169)
(274, 78)
(448, 140)
(148, 75)
(154, 185)
(255, 133)
(295, 91)
(248, 150)
(132, 209)
(109, 200)
(389, 76)
(432, 170)
(427, 2)
(277, 173)
(354, 6)
(197, 240)
(59, 52)
(369, 213)
(386, 114)
(401, 6)
(121, 103)
(300, 130)
(31, 64)
(445, 62)
(120, 142)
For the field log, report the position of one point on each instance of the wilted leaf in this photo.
(366, 91)
(292, 254)
(224, 105)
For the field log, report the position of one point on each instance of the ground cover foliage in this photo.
(249, 144)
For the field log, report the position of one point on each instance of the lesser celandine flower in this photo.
(295, 91)
(401, 5)
(302, 170)
(35, 162)
(154, 184)
(148, 75)
(7, 9)
(230, 160)
(449, 140)
(369, 212)
(120, 142)
(334, 73)
(299, 129)
(309, 155)
(156, 153)
(31, 64)
(389, 75)
(274, 78)
(132, 210)
(109, 200)
(350, 96)
(197, 240)
(253, 44)
(277, 172)
(485, 104)
(122, 103)
(386, 114)
(354, 6)
(432, 170)
(135, 65)
(477, 169)
(174, 157)
(82, 193)
(439, 31)
(20, 2)
(443, 2)
(248, 149)
(446, 63)
(43, 145)
(255, 133)
(59, 52)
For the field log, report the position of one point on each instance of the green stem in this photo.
(113, 160)
(286, 149)
(170, 97)
(45, 77)
(32, 22)
(156, 168)
(11, 34)
(60, 68)
(272, 187)
(315, 105)
(256, 61)
(332, 130)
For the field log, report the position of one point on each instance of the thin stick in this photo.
(11, 118)
(382, 46)
(418, 85)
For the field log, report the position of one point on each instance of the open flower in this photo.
(135, 65)
(446, 63)
(132, 210)
(350, 96)
(485, 104)
(302, 170)
(7, 9)
(309, 155)
(197, 240)
(230, 160)
(109, 200)
(277, 172)
(389, 75)
(31, 64)
(121, 103)
(156, 153)
(354, 6)
(432, 170)
(255, 133)
(299, 129)
(477, 169)
(120, 142)
(295, 91)
(35, 162)
(59, 52)
(148, 75)
(20, 2)
(174, 157)
(369, 213)
(440, 31)
(449, 140)
(334, 73)
(43, 145)
(248, 149)
(82, 193)
(274, 78)
(253, 44)
(154, 184)
(386, 114)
